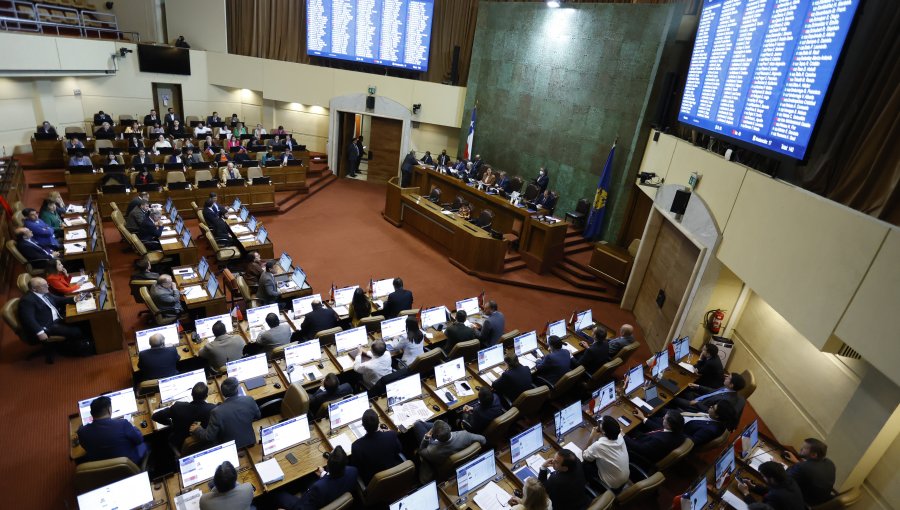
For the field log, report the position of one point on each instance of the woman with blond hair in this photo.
(534, 497)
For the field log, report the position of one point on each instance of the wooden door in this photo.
(384, 148)
(346, 132)
(165, 96)
(669, 270)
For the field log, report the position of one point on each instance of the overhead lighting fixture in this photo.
(554, 3)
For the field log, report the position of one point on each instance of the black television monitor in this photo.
(164, 59)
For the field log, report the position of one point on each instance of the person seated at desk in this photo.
(101, 117)
(503, 182)
(286, 156)
(44, 235)
(333, 481)
(230, 172)
(375, 451)
(594, 355)
(626, 337)
(34, 253)
(709, 367)
(175, 159)
(259, 131)
(108, 438)
(135, 142)
(813, 471)
(443, 159)
(137, 215)
(491, 330)
(268, 157)
(780, 491)
(488, 178)
(242, 157)
(232, 141)
(397, 301)
(477, 417)
(702, 428)
(143, 270)
(360, 307)
(131, 129)
(214, 118)
(372, 366)
(47, 129)
(545, 202)
(43, 315)
(555, 364)
(534, 497)
(239, 128)
(230, 420)
(565, 486)
(460, 166)
(331, 389)
(225, 493)
(143, 161)
(514, 380)
(51, 217)
(223, 348)
(74, 143)
(157, 129)
(105, 132)
(437, 442)
(209, 146)
(427, 159)
(477, 167)
(150, 229)
(79, 159)
(176, 130)
(700, 398)
(253, 270)
(112, 159)
(142, 196)
(652, 446)
(151, 118)
(457, 332)
(190, 157)
(158, 361)
(267, 292)
(171, 117)
(166, 296)
(144, 176)
(201, 130)
(542, 180)
(465, 211)
(218, 227)
(607, 457)
(59, 280)
(289, 143)
(162, 143)
(412, 344)
(181, 415)
(222, 157)
(319, 319)
(279, 333)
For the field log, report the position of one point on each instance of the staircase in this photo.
(318, 177)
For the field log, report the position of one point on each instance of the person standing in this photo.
(406, 169)
(354, 156)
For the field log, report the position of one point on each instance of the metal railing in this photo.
(42, 18)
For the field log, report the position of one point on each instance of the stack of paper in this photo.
(71, 222)
(572, 447)
(569, 348)
(184, 272)
(639, 402)
(536, 462)
(269, 471)
(86, 305)
(345, 361)
(74, 209)
(240, 229)
(343, 439)
(189, 500)
(528, 360)
(75, 247)
(74, 235)
(489, 377)
(733, 501)
(687, 366)
(194, 292)
(168, 240)
(340, 310)
(462, 392)
(759, 459)
(492, 497)
(165, 221)
(404, 415)
(79, 278)
(85, 286)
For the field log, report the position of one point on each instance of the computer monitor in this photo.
(603, 397)
(186, 238)
(434, 316)
(284, 435)
(660, 363)
(405, 389)
(634, 378)
(471, 475)
(698, 497)
(749, 438)
(248, 368)
(381, 288)
(212, 286)
(251, 224)
(525, 343)
(348, 410)
(298, 277)
(557, 329)
(201, 466)
(350, 339)
(567, 419)
(449, 372)
(202, 268)
(178, 387)
(526, 443)
(682, 348)
(490, 357)
(262, 235)
(244, 214)
(470, 306)
(393, 328)
(169, 333)
(423, 498)
(123, 404)
(131, 492)
(236, 205)
(257, 316)
(584, 320)
(179, 225)
(343, 296)
(302, 353)
(724, 466)
(204, 325)
(167, 206)
(303, 305)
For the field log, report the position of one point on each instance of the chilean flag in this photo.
(471, 138)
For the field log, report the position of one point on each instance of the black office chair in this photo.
(485, 219)
(579, 215)
(531, 192)
(435, 195)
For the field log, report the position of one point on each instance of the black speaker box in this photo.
(679, 204)
(370, 103)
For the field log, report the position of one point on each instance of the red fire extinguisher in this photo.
(713, 320)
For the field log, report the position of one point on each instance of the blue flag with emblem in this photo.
(598, 210)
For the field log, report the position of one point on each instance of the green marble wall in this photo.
(554, 88)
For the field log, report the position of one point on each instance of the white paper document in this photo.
(404, 415)
(75, 248)
(269, 471)
(87, 305)
(168, 240)
(638, 401)
(734, 501)
(194, 292)
(460, 391)
(341, 310)
(536, 462)
(758, 459)
(239, 229)
(489, 377)
(687, 366)
(305, 373)
(572, 447)
(71, 222)
(188, 501)
(74, 235)
(74, 209)
(80, 278)
(569, 348)
(492, 497)
(85, 286)
(345, 361)
(344, 440)
(528, 360)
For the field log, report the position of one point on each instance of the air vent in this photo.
(847, 352)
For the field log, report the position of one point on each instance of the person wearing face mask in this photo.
(542, 180)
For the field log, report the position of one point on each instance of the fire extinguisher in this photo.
(713, 320)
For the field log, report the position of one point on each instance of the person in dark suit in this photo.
(515, 380)
(397, 301)
(107, 438)
(166, 297)
(47, 129)
(813, 471)
(377, 450)
(503, 182)
(176, 130)
(457, 332)
(267, 293)
(137, 216)
(253, 270)
(214, 118)
(479, 416)
(149, 231)
(594, 355)
(546, 202)
(781, 492)
(406, 169)
(709, 367)
(225, 493)
(542, 180)
(34, 253)
(626, 337)
(41, 314)
(331, 389)
(181, 415)
(700, 398)
(319, 319)
(555, 364)
(137, 201)
(477, 168)
(443, 158)
(232, 419)
(158, 361)
(649, 448)
(151, 118)
(142, 160)
(460, 166)
(171, 117)
(44, 235)
(491, 330)
(566, 484)
(334, 480)
(143, 270)
(704, 427)
(101, 117)
(216, 224)
(105, 132)
(354, 157)
(427, 159)
(211, 209)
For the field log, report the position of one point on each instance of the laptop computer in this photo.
(651, 396)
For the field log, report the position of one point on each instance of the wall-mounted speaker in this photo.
(679, 204)
(370, 103)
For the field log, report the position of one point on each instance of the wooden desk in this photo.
(213, 305)
(263, 392)
(142, 415)
(470, 379)
(153, 403)
(678, 375)
(381, 406)
(310, 385)
(89, 258)
(308, 454)
(183, 348)
(259, 197)
(450, 491)
(287, 178)
(504, 459)
(48, 153)
(246, 474)
(81, 186)
(104, 323)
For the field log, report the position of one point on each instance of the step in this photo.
(578, 282)
(512, 256)
(569, 250)
(574, 269)
(513, 266)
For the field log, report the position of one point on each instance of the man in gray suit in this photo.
(226, 493)
(136, 216)
(278, 334)
(267, 293)
(490, 332)
(166, 296)
(232, 419)
(438, 443)
(626, 336)
(223, 348)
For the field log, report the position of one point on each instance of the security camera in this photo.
(124, 51)
(416, 108)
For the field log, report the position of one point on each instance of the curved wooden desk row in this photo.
(257, 197)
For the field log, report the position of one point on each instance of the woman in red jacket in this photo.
(59, 280)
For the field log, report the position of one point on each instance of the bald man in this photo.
(626, 336)
(166, 296)
(42, 315)
(158, 361)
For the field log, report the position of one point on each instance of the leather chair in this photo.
(531, 192)
(626, 352)
(425, 363)
(155, 257)
(35, 268)
(389, 485)
(600, 376)
(411, 311)
(343, 502)
(158, 316)
(496, 431)
(294, 403)
(278, 351)
(372, 323)
(448, 468)
(175, 176)
(231, 287)
(508, 338)
(114, 206)
(579, 215)
(435, 195)
(515, 184)
(564, 385)
(96, 474)
(603, 502)
(715, 444)
(468, 350)
(750, 379)
(23, 281)
(843, 500)
(326, 336)
(198, 213)
(148, 387)
(642, 487)
(224, 254)
(531, 401)
(675, 455)
(244, 289)
(102, 143)
(201, 175)
(10, 313)
(254, 172)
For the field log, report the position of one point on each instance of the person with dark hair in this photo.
(397, 301)
(515, 380)
(253, 270)
(651, 447)
(223, 348)
(139, 199)
(354, 157)
(360, 306)
(457, 332)
(150, 230)
(566, 484)
(607, 454)
(158, 361)
(376, 364)
(319, 319)
(406, 169)
(704, 427)
(555, 364)
(142, 270)
(377, 450)
(709, 367)
(226, 493)
(51, 217)
(427, 159)
(216, 224)
(491, 330)
(412, 344)
(443, 159)
(781, 492)
(181, 415)
(699, 398)
(44, 234)
(232, 419)
(331, 389)
(59, 280)
(279, 333)
(594, 355)
(542, 180)
(138, 214)
(267, 293)
(437, 442)
(108, 438)
(626, 337)
(481, 414)
(334, 480)
(813, 471)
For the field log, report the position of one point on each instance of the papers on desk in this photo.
(189, 500)
(74, 209)
(639, 402)
(194, 292)
(536, 462)
(379, 304)
(168, 231)
(75, 248)
(80, 278)
(447, 212)
(233, 217)
(344, 440)
(71, 222)
(240, 229)
(255, 331)
(184, 272)
(269, 471)
(567, 346)
(492, 375)
(86, 305)
(733, 501)
(165, 221)
(525, 472)
(297, 322)
(758, 459)
(85, 286)
(287, 286)
(688, 367)
(462, 392)
(404, 415)
(441, 395)
(74, 235)
(492, 497)
(168, 240)
(341, 310)
(572, 447)
(246, 239)
(307, 373)
(529, 360)
(356, 430)
(345, 361)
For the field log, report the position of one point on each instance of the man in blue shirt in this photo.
(108, 438)
(44, 234)
(554, 365)
(79, 159)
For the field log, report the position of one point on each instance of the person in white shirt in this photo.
(377, 366)
(201, 130)
(608, 454)
(259, 131)
(161, 142)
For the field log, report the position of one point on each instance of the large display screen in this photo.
(391, 33)
(760, 69)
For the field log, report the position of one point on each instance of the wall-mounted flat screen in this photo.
(163, 59)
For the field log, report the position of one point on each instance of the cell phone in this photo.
(625, 421)
(291, 458)
(465, 386)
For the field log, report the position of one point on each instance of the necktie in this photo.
(710, 395)
(53, 309)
